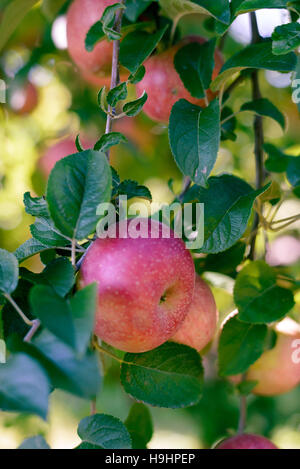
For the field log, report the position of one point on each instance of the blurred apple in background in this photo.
(24, 100)
(285, 250)
(246, 441)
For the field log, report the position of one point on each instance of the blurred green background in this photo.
(66, 106)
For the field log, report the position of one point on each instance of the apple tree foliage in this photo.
(60, 353)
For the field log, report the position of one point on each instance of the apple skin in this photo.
(81, 15)
(25, 99)
(246, 441)
(58, 151)
(199, 326)
(284, 250)
(275, 370)
(164, 86)
(145, 287)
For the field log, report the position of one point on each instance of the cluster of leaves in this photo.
(60, 354)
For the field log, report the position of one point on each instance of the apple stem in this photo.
(115, 70)
(35, 325)
(18, 309)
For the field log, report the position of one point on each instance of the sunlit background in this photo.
(36, 56)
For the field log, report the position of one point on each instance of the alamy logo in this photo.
(296, 92)
(2, 91)
(296, 353)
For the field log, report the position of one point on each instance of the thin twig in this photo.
(18, 309)
(115, 70)
(258, 135)
(73, 252)
(35, 325)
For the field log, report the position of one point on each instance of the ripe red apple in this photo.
(163, 84)
(199, 326)
(278, 370)
(25, 99)
(58, 151)
(246, 441)
(81, 15)
(145, 285)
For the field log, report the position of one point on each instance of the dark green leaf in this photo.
(228, 203)
(246, 387)
(76, 186)
(139, 424)
(132, 189)
(137, 46)
(286, 38)
(135, 7)
(240, 346)
(109, 140)
(36, 442)
(195, 63)
(44, 231)
(258, 56)
(24, 386)
(30, 248)
(277, 161)
(36, 206)
(60, 275)
(133, 108)
(138, 75)
(258, 297)
(169, 376)
(119, 93)
(9, 271)
(78, 144)
(219, 9)
(264, 107)
(225, 262)
(293, 171)
(107, 20)
(243, 6)
(194, 135)
(77, 375)
(105, 431)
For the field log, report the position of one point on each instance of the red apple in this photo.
(246, 441)
(24, 100)
(199, 326)
(81, 15)
(163, 84)
(58, 151)
(278, 370)
(145, 285)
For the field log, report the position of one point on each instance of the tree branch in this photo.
(115, 69)
(258, 135)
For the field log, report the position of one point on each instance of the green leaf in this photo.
(109, 140)
(286, 38)
(134, 8)
(30, 248)
(119, 93)
(277, 161)
(137, 76)
(132, 189)
(24, 386)
(246, 387)
(54, 313)
(45, 232)
(9, 272)
(228, 202)
(244, 6)
(72, 321)
(265, 108)
(76, 186)
(12, 16)
(195, 63)
(51, 8)
(293, 171)
(218, 9)
(105, 431)
(36, 442)
(194, 135)
(60, 275)
(258, 297)
(225, 262)
(107, 21)
(133, 108)
(36, 206)
(169, 376)
(12, 323)
(139, 424)
(258, 56)
(77, 375)
(137, 46)
(240, 346)
(78, 144)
